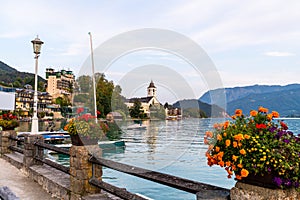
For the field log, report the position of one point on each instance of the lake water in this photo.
(172, 147)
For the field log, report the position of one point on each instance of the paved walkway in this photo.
(22, 186)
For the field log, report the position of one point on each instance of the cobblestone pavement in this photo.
(22, 186)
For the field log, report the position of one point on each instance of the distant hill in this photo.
(284, 99)
(286, 102)
(10, 76)
(209, 110)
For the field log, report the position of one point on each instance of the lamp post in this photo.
(37, 44)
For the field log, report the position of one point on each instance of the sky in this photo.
(245, 42)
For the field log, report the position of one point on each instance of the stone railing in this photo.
(71, 185)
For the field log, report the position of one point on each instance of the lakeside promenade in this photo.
(23, 187)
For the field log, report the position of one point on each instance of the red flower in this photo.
(260, 126)
(283, 125)
(79, 110)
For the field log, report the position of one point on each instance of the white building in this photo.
(146, 102)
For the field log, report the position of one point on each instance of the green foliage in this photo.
(194, 112)
(157, 112)
(118, 101)
(136, 110)
(113, 132)
(10, 76)
(84, 83)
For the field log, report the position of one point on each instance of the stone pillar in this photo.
(251, 192)
(81, 170)
(5, 142)
(30, 150)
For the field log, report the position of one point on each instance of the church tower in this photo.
(151, 90)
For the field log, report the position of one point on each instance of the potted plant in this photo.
(84, 130)
(256, 149)
(8, 121)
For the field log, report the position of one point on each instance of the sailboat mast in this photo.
(93, 71)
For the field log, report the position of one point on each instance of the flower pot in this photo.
(78, 140)
(259, 180)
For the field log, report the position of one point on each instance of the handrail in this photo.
(165, 179)
(54, 164)
(52, 147)
(115, 190)
(17, 149)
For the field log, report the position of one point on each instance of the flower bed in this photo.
(8, 121)
(256, 145)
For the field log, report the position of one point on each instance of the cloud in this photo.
(278, 54)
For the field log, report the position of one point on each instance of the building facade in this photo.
(60, 83)
(146, 102)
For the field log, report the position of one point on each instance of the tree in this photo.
(157, 112)
(136, 110)
(118, 101)
(104, 90)
(84, 83)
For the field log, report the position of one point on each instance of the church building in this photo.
(148, 101)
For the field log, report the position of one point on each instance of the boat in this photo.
(104, 145)
(50, 137)
(136, 126)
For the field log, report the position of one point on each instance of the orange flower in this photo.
(233, 117)
(206, 140)
(240, 144)
(253, 113)
(243, 152)
(238, 177)
(238, 137)
(269, 117)
(233, 167)
(247, 136)
(226, 124)
(234, 158)
(244, 173)
(224, 134)
(208, 134)
(220, 155)
(221, 163)
(219, 137)
(217, 149)
(234, 144)
(275, 114)
(227, 163)
(227, 143)
(238, 112)
(240, 165)
(228, 171)
(262, 109)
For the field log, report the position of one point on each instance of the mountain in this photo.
(286, 102)
(284, 99)
(12, 77)
(209, 110)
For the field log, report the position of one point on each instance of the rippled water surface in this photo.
(172, 147)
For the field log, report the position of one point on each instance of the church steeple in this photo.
(151, 90)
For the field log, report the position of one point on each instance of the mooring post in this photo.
(81, 170)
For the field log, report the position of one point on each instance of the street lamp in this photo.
(37, 44)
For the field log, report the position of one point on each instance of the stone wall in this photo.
(243, 191)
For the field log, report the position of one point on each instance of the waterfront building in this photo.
(60, 83)
(24, 103)
(146, 102)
